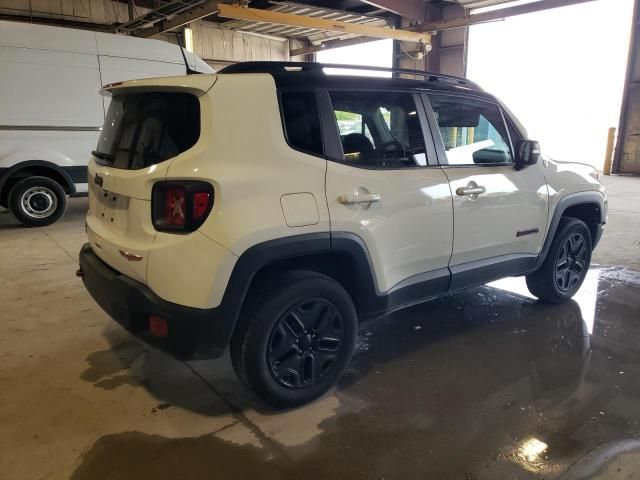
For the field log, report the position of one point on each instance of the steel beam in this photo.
(409, 9)
(330, 44)
(58, 22)
(202, 10)
(493, 15)
(453, 23)
(279, 18)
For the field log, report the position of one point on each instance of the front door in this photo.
(500, 214)
(386, 188)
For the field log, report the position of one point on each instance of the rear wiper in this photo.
(102, 156)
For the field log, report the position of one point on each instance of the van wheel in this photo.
(296, 339)
(566, 265)
(37, 201)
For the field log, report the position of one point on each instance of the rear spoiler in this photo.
(196, 84)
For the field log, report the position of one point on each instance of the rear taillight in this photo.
(174, 207)
(180, 206)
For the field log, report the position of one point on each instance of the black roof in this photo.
(306, 74)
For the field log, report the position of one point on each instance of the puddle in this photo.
(110, 369)
(137, 456)
(620, 274)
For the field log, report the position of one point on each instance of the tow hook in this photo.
(79, 273)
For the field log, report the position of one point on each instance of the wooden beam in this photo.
(205, 9)
(279, 18)
(452, 23)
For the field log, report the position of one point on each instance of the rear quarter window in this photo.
(302, 121)
(143, 129)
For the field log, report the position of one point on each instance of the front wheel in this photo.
(296, 340)
(566, 265)
(37, 201)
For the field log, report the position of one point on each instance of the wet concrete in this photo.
(487, 383)
(483, 384)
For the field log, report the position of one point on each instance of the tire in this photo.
(37, 201)
(295, 338)
(565, 268)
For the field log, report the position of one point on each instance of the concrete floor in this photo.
(483, 384)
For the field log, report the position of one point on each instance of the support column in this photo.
(449, 47)
(627, 153)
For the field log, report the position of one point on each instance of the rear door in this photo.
(384, 186)
(141, 134)
(500, 213)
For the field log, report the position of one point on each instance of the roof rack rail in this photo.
(282, 67)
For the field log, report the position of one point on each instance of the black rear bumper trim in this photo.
(193, 333)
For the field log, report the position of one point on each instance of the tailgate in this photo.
(142, 133)
(119, 218)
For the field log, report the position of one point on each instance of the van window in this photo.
(302, 121)
(379, 129)
(142, 129)
(473, 131)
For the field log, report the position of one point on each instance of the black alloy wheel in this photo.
(566, 264)
(571, 262)
(304, 342)
(295, 337)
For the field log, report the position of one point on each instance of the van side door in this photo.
(500, 214)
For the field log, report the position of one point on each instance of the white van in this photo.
(51, 111)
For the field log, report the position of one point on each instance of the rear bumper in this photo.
(192, 332)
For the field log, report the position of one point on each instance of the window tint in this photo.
(473, 131)
(302, 122)
(142, 129)
(379, 129)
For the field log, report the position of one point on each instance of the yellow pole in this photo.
(454, 135)
(470, 135)
(608, 156)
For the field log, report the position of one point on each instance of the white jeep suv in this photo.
(272, 206)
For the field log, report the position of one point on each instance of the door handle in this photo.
(475, 190)
(352, 198)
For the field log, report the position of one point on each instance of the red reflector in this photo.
(174, 206)
(200, 204)
(158, 326)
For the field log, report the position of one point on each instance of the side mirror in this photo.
(527, 153)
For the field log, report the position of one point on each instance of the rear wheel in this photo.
(37, 201)
(296, 340)
(566, 265)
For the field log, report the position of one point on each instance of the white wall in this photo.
(211, 42)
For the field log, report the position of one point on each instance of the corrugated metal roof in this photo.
(313, 35)
(166, 10)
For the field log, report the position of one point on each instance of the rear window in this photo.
(142, 129)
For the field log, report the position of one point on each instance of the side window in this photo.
(379, 129)
(302, 121)
(349, 122)
(473, 131)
